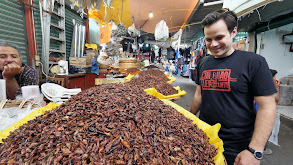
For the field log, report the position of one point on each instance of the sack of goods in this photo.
(105, 59)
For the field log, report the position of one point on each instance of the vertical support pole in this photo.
(87, 31)
(45, 22)
(30, 31)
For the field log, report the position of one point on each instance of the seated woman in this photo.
(14, 71)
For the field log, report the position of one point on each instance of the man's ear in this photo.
(234, 32)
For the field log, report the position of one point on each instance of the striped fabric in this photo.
(29, 76)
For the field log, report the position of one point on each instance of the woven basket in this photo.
(132, 60)
(129, 65)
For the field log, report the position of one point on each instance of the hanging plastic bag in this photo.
(114, 26)
(105, 33)
(120, 31)
(132, 31)
(161, 31)
(109, 2)
(274, 135)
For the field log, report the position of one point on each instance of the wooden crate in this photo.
(81, 61)
(99, 81)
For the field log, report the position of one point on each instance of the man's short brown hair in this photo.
(229, 17)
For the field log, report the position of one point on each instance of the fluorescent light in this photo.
(213, 3)
(151, 14)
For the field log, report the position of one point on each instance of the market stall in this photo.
(104, 100)
(111, 123)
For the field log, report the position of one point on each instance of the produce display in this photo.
(153, 79)
(151, 67)
(132, 70)
(166, 89)
(109, 124)
(156, 73)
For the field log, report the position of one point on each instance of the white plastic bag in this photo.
(132, 31)
(274, 135)
(114, 26)
(161, 31)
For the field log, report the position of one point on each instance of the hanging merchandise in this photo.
(82, 4)
(134, 47)
(105, 33)
(133, 32)
(109, 2)
(112, 49)
(114, 26)
(161, 31)
(176, 39)
(200, 50)
(105, 59)
(120, 31)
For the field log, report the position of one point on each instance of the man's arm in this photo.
(11, 88)
(196, 100)
(264, 121)
(8, 74)
(263, 126)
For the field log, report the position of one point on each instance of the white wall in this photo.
(276, 53)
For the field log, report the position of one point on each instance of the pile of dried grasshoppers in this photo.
(153, 78)
(109, 124)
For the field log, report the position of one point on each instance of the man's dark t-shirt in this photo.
(228, 86)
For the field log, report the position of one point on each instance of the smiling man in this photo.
(227, 83)
(14, 72)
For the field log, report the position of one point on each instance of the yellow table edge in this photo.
(211, 131)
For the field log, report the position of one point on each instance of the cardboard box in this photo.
(81, 61)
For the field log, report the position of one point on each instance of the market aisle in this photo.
(282, 155)
(187, 85)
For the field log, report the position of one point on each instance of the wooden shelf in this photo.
(57, 39)
(57, 51)
(57, 27)
(58, 15)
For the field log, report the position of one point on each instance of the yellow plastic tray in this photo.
(129, 77)
(172, 79)
(211, 131)
(154, 92)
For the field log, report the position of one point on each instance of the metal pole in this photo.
(79, 40)
(83, 39)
